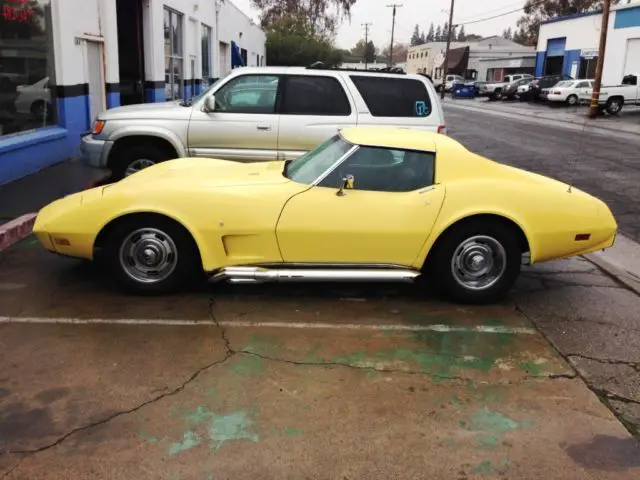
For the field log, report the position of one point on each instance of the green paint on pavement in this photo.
(263, 344)
(292, 432)
(489, 468)
(487, 441)
(494, 422)
(223, 428)
(189, 440)
(248, 365)
(147, 437)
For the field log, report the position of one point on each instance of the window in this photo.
(312, 165)
(588, 67)
(583, 85)
(630, 80)
(248, 94)
(394, 97)
(173, 61)
(25, 99)
(314, 95)
(207, 73)
(384, 170)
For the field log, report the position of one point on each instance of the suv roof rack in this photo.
(321, 66)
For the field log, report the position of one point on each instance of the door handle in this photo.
(264, 127)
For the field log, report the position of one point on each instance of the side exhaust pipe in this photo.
(265, 275)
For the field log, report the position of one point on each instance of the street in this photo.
(332, 381)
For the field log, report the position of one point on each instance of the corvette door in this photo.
(385, 218)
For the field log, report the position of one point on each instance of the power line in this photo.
(499, 15)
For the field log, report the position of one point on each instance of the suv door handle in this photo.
(264, 127)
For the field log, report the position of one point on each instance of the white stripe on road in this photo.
(298, 325)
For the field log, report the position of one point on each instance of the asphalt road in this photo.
(608, 168)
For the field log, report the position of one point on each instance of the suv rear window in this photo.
(314, 95)
(393, 97)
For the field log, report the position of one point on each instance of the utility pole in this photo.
(393, 26)
(595, 96)
(446, 55)
(366, 42)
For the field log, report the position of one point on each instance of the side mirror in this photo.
(210, 103)
(347, 183)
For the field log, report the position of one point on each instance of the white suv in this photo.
(260, 114)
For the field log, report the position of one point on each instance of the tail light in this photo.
(442, 129)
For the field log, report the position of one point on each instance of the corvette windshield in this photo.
(307, 168)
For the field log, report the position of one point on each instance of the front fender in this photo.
(150, 131)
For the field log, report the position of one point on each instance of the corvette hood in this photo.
(207, 172)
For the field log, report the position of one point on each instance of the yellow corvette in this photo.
(369, 204)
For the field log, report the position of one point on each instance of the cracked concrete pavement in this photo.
(236, 395)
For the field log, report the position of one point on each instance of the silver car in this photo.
(260, 114)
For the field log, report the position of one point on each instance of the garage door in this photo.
(632, 60)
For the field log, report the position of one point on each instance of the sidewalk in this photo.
(628, 121)
(21, 200)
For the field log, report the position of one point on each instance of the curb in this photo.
(15, 230)
(615, 271)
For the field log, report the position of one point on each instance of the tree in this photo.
(445, 32)
(364, 52)
(400, 51)
(292, 40)
(507, 33)
(461, 35)
(472, 37)
(454, 34)
(23, 19)
(431, 36)
(536, 11)
(423, 38)
(415, 37)
(323, 16)
(438, 36)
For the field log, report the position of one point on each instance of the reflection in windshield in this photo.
(307, 168)
(195, 98)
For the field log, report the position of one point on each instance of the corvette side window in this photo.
(385, 170)
(248, 94)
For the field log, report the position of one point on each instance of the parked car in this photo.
(481, 88)
(570, 91)
(511, 90)
(368, 204)
(260, 114)
(34, 99)
(524, 90)
(494, 90)
(448, 84)
(540, 87)
(613, 99)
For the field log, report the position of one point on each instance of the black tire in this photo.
(128, 156)
(573, 100)
(615, 105)
(186, 261)
(439, 267)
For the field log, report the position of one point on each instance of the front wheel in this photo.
(136, 158)
(151, 255)
(476, 262)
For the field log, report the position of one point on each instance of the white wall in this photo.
(581, 33)
(75, 21)
(616, 53)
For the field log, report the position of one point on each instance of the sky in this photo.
(422, 12)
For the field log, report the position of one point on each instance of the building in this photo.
(64, 61)
(569, 45)
(490, 58)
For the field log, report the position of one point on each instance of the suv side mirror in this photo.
(210, 103)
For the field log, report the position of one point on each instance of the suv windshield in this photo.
(195, 98)
(307, 168)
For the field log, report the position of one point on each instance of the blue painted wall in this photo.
(113, 99)
(540, 58)
(154, 95)
(571, 56)
(627, 18)
(187, 90)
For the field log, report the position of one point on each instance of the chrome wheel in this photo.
(148, 255)
(479, 262)
(138, 165)
(614, 106)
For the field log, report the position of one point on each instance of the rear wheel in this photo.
(151, 255)
(614, 105)
(476, 261)
(572, 100)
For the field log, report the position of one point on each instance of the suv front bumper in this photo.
(94, 152)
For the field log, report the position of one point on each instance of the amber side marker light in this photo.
(98, 126)
(581, 237)
(61, 241)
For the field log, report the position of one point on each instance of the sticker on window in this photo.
(421, 109)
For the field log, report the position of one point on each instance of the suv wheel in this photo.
(136, 158)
